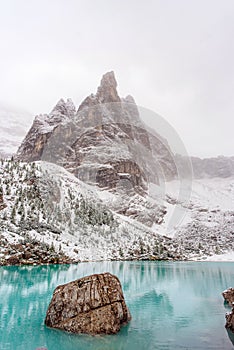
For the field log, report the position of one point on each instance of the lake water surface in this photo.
(174, 305)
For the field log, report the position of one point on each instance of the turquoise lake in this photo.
(174, 305)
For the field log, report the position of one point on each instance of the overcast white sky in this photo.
(175, 57)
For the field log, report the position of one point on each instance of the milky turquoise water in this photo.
(173, 305)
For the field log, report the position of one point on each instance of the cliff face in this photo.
(104, 143)
(43, 127)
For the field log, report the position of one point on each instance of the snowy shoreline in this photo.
(224, 258)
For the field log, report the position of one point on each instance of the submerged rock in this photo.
(228, 295)
(94, 305)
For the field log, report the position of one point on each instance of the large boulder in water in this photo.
(94, 304)
(228, 295)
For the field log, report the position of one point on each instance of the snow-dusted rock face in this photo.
(105, 143)
(208, 168)
(106, 93)
(43, 126)
(213, 167)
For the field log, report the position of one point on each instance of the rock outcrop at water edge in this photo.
(230, 320)
(228, 295)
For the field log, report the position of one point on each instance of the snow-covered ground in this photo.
(222, 257)
(207, 200)
(215, 193)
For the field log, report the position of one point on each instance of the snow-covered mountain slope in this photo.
(214, 193)
(43, 203)
(208, 224)
(13, 128)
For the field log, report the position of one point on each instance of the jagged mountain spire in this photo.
(107, 91)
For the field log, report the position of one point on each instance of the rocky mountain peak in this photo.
(106, 143)
(129, 99)
(42, 128)
(108, 79)
(107, 91)
(66, 108)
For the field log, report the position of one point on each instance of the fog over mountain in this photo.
(175, 57)
(14, 124)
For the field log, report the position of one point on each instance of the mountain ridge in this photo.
(95, 183)
(104, 125)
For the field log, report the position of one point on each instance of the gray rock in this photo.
(94, 305)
